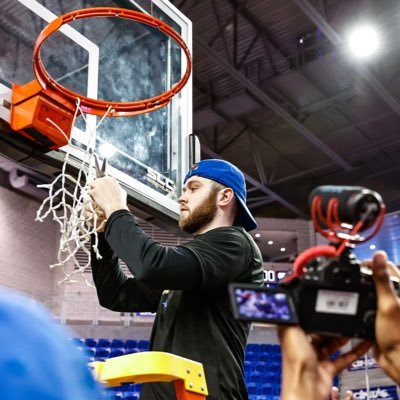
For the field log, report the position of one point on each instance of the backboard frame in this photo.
(142, 195)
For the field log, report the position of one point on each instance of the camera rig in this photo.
(331, 292)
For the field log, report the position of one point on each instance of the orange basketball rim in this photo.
(43, 99)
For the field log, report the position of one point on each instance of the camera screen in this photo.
(262, 304)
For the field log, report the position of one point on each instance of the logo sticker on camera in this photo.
(337, 302)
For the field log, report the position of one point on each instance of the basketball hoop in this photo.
(45, 111)
(44, 99)
(99, 107)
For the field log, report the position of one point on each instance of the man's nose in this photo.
(182, 199)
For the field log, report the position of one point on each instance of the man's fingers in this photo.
(380, 275)
(334, 393)
(349, 395)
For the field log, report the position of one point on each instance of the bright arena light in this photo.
(107, 150)
(363, 41)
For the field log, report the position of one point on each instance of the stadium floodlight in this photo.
(363, 41)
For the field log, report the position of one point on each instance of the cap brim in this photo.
(244, 217)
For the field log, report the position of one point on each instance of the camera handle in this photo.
(345, 211)
(314, 252)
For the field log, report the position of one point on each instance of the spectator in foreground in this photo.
(37, 360)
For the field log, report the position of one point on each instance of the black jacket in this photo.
(187, 286)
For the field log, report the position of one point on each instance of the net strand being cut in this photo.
(70, 205)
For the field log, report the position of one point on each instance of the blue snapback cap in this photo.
(227, 174)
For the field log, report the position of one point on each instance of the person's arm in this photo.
(158, 266)
(115, 290)
(307, 372)
(387, 325)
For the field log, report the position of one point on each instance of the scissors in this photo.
(100, 172)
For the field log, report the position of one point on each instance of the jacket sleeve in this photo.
(115, 290)
(155, 265)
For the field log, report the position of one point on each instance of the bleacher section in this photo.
(262, 366)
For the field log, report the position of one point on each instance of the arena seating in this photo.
(262, 366)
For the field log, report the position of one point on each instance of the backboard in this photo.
(117, 60)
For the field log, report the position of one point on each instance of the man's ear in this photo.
(225, 196)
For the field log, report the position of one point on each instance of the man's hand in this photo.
(108, 195)
(307, 373)
(92, 215)
(387, 325)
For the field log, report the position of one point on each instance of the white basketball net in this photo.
(66, 200)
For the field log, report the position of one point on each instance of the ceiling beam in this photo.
(268, 101)
(259, 27)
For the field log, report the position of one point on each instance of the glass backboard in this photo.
(118, 60)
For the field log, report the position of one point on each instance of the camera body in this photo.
(335, 297)
(330, 292)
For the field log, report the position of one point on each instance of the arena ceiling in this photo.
(278, 93)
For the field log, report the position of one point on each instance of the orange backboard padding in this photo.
(31, 110)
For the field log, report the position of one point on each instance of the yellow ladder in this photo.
(154, 366)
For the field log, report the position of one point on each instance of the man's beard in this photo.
(200, 216)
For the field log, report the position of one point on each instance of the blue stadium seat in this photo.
(276, 348)
(131, 343)
(267, 389)
(253, 388)
(248, 365)
(89, 352)
(272, 377)
(274, 366)
(143, 345)
(117, 343)
(131, 350)
(102, 353)
(250, 356)
(277, 357)
(90, 342)
(137, 387)
(117, 352)
(256, 377)
(131, 396)
(260, 366)
(254, 347)
(266, 348)
(114, 395)
(104, 343)
(264, 356)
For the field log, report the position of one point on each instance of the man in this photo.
(186, 284)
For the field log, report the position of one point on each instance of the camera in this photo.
(329, 292)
